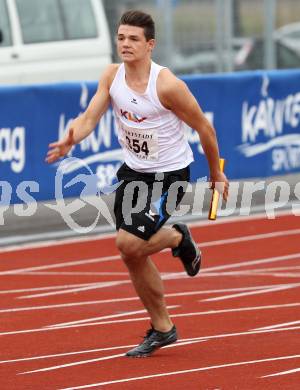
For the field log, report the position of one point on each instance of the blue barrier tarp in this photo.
(256, 116)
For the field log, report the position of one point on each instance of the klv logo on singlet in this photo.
(132, 117)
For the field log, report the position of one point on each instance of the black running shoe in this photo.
(152, 341)
(187, 251)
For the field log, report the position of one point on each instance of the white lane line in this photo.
(42, 357)
(199, 369)
(124, 320)
(66, 354)
(46, 288)
(57, 241)
(61, 265)
(87, 320)
(245, 263)
(239, 309)
(282, 325)
(113, 300)
(177, 344)
(73, 364)
(249, 272)
(71, 291)
(164, 276)
(74, 273)
(64, 305)
(257, 292)
(282, 373)
(271, 269)
(252, 237)
(282, 274)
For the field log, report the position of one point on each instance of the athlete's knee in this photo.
(130, 246)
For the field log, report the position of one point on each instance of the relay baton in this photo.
(215, 197)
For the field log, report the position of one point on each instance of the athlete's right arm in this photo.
(84, 124)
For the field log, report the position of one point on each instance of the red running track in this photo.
(68, 313)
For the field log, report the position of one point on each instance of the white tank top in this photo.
(152, 137)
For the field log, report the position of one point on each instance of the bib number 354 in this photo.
(137, 146)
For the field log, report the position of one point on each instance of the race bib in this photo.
(142, 143)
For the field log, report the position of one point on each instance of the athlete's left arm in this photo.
(175, 96)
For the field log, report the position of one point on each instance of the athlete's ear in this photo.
(151, 44)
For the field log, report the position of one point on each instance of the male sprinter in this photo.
(150, 106)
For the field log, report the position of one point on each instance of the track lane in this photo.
(218, 317)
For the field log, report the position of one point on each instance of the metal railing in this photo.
(200, 36)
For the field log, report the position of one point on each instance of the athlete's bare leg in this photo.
(164, 238)
(144, 275)
(149, 287)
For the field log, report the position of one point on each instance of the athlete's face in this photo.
(132, 44)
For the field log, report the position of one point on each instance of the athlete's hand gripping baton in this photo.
(212, 215)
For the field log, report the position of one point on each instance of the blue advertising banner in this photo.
(256, 116)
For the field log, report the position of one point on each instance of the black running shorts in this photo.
(145, 201)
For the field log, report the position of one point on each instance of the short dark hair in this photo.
(139, 19)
